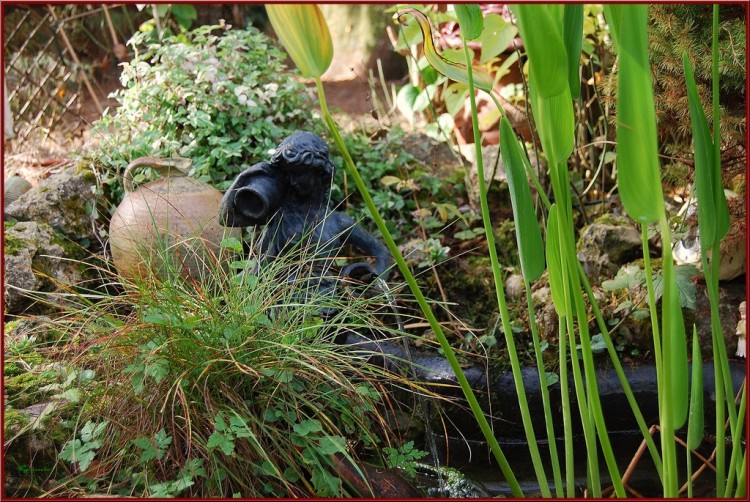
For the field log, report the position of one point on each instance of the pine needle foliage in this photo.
(675, 29)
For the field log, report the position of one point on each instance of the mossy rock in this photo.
(24, 390)
(13, 421)
(63, 201)
(39, 259)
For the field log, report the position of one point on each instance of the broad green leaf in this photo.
(543, 41)
(528, 234)
(713, 214)
(555, 122)
(457, 55)
(498, 34)
(304, 33)
(454, 71)
(695, 420)
(554, 262)
(573, 40)
(637, 150)
(674, 348)
(469, 20)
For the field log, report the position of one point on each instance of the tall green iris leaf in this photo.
(557, 278)
(695, 422)
(674, 349)
(713, 215)
(528, 234)
(544, 45)
(540, 28)
(573, 39)
(637, 153)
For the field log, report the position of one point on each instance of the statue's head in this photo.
(299, 175)
(303, 159)
(303, 151)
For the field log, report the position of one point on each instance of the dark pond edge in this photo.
(497, 393)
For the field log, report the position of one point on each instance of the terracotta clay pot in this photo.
(168, 226)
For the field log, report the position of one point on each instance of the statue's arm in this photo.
(352, 233)
(255, 195)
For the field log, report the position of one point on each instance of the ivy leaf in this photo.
(551, 378)
(685, 285)
(328, 445)
(597, 344)
(307, 426)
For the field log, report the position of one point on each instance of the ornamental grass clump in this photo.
(230, 384)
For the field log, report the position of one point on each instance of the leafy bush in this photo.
(221, 99)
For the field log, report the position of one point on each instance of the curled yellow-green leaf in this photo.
(304, 33)
(454, 71)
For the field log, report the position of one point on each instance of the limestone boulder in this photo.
(64, 201)
(606, 244)
(38, 259)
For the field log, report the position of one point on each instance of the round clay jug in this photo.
(168, 226)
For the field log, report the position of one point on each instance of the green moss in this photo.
(13, 244)
(470, 288)
(505, 243)
(23, 390)
(14, 421)
(83, 168)
(71, 249)
(10, 326)
(612, 219)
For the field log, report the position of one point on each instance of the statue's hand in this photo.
(360, 271)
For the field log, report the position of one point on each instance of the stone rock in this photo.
(38, 259)
(15, 186)
(606, 244)
(63, 201)
(514, 286)
(442, 159)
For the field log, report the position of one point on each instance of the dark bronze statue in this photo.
(290, 194)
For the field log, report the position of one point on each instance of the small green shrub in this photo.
(221, 97)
